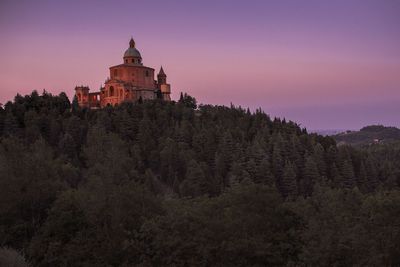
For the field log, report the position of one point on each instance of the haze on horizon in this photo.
(323, 64)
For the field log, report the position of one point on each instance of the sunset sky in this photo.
(324, 64)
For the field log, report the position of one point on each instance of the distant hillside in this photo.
(369, 135)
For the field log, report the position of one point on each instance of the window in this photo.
(111, 93)
(147, 73)
(126, 61)
(133, 61)
(115, 72)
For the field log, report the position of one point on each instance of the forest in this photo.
(158, 183)
(369, 135)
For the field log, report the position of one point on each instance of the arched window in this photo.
(147, 73)
(111, 93)
(126, 61)
(133, 61)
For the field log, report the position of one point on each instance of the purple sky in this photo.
(324, 64)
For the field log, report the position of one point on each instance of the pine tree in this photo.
(235, 175)
(68, 147)
(278, 160)
(319, 158)
(11, 127)
(362, 178)
(311, 175)
(372, 179)
(289, 183)
(336, 177)
(75, 104)
(264, 173)
(195, 183)
(349, 180)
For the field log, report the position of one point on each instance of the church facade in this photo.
(129, 81)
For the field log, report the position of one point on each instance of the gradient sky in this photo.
(324, 64)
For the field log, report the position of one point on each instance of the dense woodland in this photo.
(176, 184)
(369, 135)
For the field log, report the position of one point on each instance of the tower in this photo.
(162, 77)
(82, 94)
(163, 86)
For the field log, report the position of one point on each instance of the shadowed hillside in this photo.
(181, 184)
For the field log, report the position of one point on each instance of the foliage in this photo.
(11, 257)
(369, 135)
(159, 183)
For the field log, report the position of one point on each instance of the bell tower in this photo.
(162, 77)
(163, 86)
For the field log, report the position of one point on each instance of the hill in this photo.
(181, 184)
(369, 135)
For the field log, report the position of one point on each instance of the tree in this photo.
(75, 105)
(188, 101)
(195, 183)
(348, 175)
(264, 174)
(289, 183)
(311, 175)
(319, 158)
(278, 160)
(11, 127)
(29, 182)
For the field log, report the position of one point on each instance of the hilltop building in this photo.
(129, 81)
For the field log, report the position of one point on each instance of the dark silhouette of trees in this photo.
(159, 183)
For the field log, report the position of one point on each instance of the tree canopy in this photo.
(159, 183)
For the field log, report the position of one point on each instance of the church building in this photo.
(129, 81)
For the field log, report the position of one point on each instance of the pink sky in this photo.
(322, 64)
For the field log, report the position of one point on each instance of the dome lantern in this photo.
(132, 55)
(132, 43)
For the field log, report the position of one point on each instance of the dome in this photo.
(132, 52)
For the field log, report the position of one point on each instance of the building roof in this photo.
(131, 66)
(161, 71)
(132, 51)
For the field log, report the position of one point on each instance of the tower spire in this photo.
(161, 71)
(162, 77)
(132, 43)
